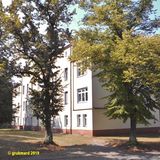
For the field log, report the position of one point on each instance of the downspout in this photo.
(71, 81)
(93, 132)
(21, 103)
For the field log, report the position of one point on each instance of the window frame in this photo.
(65, 74)
(24, 105)
(27, 92)
(78, 120)
(80, 71)
(23, 89)
(65, 97)
(82, 94)
(65, 120)
(84, 120)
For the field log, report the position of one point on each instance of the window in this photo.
(23, 121)
(17, 120)
(26, 120)
(80, 71)
(78, 120)
(24, 105)
(82, 94)
(65, 97)
(84, 120)
(65, 54)
(65, 120)
(23, 89)
(66, 74)
(27, 89)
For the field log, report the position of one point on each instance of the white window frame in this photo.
(80, 71)
(82, 94)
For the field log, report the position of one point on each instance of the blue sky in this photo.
(77, 18)
(76, 21)
(157, 6)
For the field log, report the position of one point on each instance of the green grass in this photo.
(19, 140)
(67, 139)
(21, 132)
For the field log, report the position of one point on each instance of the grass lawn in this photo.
(18, 140)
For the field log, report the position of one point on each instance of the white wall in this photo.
(71, 85)
(82, 82)
(89, 125)
(25, 116)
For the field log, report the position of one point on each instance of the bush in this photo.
(5, 125)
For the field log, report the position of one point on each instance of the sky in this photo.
(76, 21)
(157, 6)
(75, 25)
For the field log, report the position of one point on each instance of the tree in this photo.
(38, 33)
(6, 83)
(6, 111)
(114, 41)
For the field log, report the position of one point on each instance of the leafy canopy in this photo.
(117, 41)
(36, 31)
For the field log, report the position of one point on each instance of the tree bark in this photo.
(133, 137)
(48, 133)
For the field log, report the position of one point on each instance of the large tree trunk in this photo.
(48, 133)
(133, 137)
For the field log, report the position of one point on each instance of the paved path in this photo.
(92, 152)
(77, 148)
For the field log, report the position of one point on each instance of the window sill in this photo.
(79, 76)
(81, 102)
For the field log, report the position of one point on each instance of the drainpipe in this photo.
(21, 103)
(71, 95)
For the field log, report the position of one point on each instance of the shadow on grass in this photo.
(141, 146)
(97, 152)
(111, 151)
(15, 145)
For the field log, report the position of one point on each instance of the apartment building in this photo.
(83, 105)
(24, 118)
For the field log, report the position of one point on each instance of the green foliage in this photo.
(115, 42)
(6, 111)
(38, 33)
